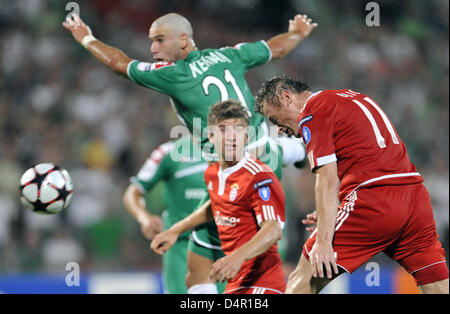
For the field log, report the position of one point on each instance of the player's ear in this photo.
(184, 41)
(286, 97)
(210, 135)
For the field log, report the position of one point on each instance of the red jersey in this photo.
(242, 197)
(351, 129)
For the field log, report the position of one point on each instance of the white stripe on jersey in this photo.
(255, 164)
(250, 165)
(252, 171)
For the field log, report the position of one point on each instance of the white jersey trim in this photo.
(326, 160)
(260, 290)
(444, 261)
(128, 68)
(268, 48)
(205, 244)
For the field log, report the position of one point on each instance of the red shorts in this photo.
(261, 275)
(396, 220)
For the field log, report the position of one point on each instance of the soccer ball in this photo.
(46, 189)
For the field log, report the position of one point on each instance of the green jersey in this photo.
(184, 184)
(202, 79)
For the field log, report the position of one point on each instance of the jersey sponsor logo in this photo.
(262, 183)
(225, 221)
(200, 66)
(234, 191)
(304, 120)
(264, 193)
(306, 133)
(194, 194)
(146, 66)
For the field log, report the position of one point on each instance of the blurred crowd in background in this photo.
(58, 104)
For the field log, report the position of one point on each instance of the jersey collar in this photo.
(306, 102)
(236, 167)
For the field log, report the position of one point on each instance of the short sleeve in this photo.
(154, 169)
(268, 200)
(317, 130)
(151, 75)
(252, 54)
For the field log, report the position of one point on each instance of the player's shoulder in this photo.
(143, 66)
(256, 170)
(212, 170)
(162, 151)
(333, 95)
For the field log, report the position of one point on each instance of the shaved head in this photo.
(176, 22)
(171, 37)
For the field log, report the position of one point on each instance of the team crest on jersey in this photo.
(264, 193)
(306, 133)
(234, 191)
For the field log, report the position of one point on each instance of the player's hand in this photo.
(163, 241)
(76, 26)
(311, 220)
(302, 25)
(151, 225)
(226, 268)
(322, 256)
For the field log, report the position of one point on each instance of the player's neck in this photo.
(302, 98)
(228, 164)
(188, 50)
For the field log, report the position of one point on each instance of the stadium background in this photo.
(58, 104)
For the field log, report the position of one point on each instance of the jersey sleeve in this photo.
(154, 169)
(317, 131)
(268, 200)
(152, 75)
(252, 54)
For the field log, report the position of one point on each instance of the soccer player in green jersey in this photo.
(195, 80)
(183, 184)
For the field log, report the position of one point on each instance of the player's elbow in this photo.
(278, 52)
(131, 194)
(278, 233)
(275, 230)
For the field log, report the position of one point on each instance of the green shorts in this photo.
(204, 241)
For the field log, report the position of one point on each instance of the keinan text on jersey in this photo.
(198, 67)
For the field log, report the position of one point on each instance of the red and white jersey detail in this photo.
(350, 128)
(242, 198)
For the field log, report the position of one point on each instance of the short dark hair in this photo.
(227, 109)
(270, 92)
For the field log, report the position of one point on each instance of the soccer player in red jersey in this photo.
(247, 204)
(369, 196)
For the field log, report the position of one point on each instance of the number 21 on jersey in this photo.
(229, 78)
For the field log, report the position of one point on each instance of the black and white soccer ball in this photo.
(46, 189)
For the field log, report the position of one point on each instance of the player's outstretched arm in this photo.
(227, 267)
(299, 28)
(163, 241)
(150, 224)
(113, 58)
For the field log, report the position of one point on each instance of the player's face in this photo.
(229, 138)
(284, 117)
(165, 43)
(280, 119)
